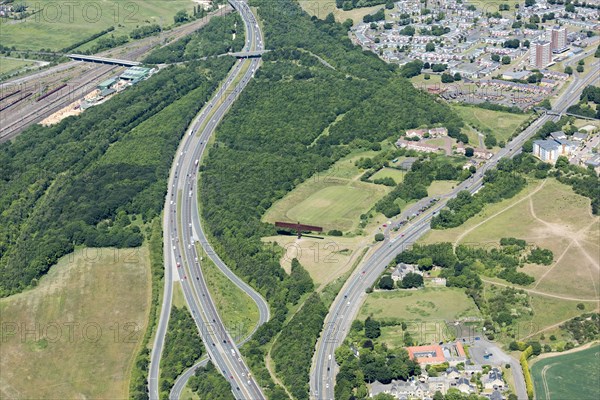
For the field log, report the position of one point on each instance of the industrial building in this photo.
(135, 74)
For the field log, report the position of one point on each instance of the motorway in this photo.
(183, 234)
(348, 301)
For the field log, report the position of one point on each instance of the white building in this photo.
(550, 150)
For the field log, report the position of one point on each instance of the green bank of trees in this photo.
(81, 181)
(461, 264)
(209, 384)
(462, 268)
(138, 384)
(183, 348)
(584, 328)
(292, 351)
(145, 30)
(415, 183)
(221, 35)
(501, 183)
(347, 5)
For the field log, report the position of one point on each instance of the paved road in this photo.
(183, 232)
(349, 299)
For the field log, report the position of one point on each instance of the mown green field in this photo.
(333, 199)
(428, 304)
(57, 25)
(337, 206)
(76, 334)
(567, 377)
(438, 188)
(396, 174)
(501, 124)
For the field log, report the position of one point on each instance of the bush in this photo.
(412, 280)
(379, 237)
(525, 365)
(386, 282)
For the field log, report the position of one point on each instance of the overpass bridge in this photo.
(103, 60)
(543, 110)
(248, 54)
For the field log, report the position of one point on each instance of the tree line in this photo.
(415, 183)
(138, 383)
(209, 384)
(76, 183)
(183, 347)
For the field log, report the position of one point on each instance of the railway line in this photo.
(17, 116)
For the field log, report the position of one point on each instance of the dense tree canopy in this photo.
(221, 35)
(183, 348)
(77, 183)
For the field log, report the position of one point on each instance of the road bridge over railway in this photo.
(103, 60)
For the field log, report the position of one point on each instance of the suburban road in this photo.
(347, 304)
(183, 236)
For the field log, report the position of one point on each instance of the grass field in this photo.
(552, 216)
(333, 199)
(425, 312)
(438, 188)
(569, 376)
(320, 9)
(84, 322)
(420, 80)
(187, 394)
(324, 259)
(59, 24)
(429, 304)
(501, 124)
(238, 311)
(10, 65)
(396, 174)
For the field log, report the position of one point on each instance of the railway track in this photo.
(14, 120)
